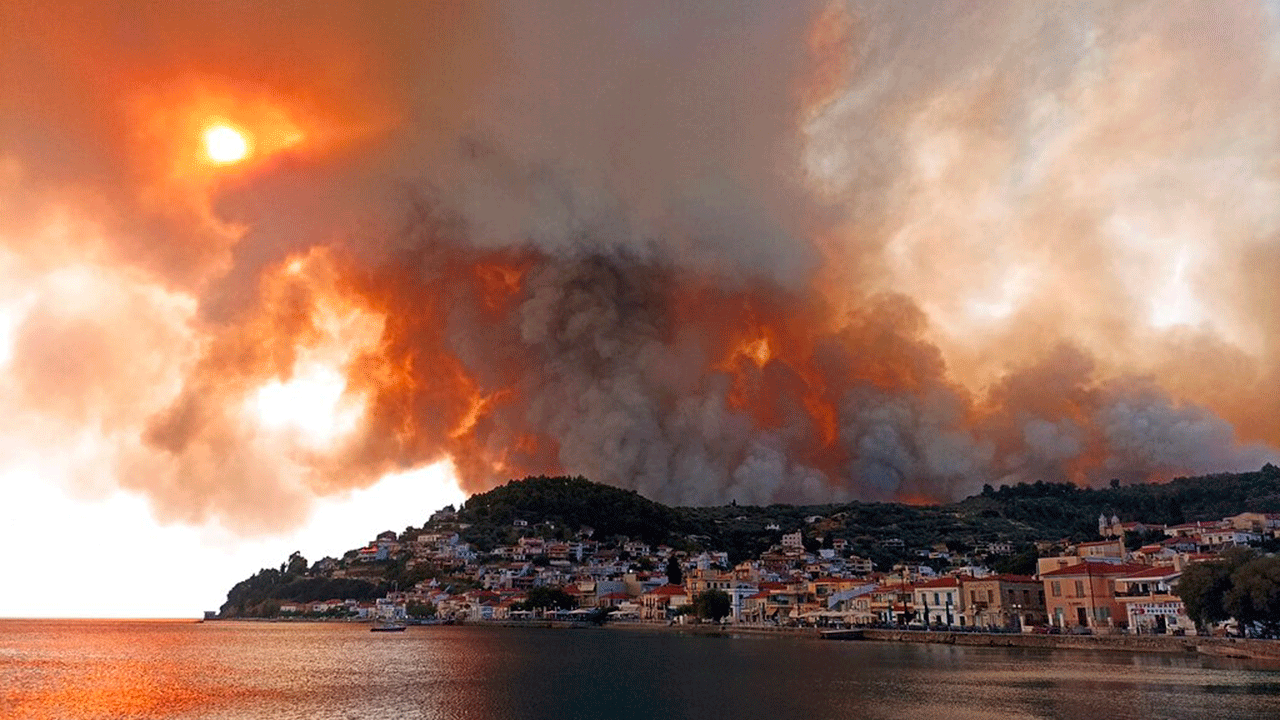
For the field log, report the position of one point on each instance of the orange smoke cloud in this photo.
(776, 252)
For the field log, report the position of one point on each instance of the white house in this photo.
(1229, 537)
(940, 601)
(1150, 603)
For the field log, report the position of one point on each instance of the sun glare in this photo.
(224, 144)
(311, 403)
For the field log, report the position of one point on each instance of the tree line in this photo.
(1241, 584)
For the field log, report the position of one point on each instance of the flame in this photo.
(500, 282)
(313, 398)
(479, 403)
(757, 351)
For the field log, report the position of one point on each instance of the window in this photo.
(1079, 588)
(988, 596)
(935, 599)
(1057, 589)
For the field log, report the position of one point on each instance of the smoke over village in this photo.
(769, 252)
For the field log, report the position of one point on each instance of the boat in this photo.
(382, 626)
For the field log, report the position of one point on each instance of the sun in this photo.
(224, 144)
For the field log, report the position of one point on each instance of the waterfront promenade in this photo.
(1218, 647)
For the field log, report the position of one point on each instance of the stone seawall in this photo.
(1222, 647)
(1218, 647)
(714, 629)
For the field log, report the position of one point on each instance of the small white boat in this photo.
(382, 626)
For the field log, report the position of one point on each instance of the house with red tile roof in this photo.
(661, 602)
(1084, 595)
(940, 602)
(1102, 548)
(892, 603)
(1192, 528)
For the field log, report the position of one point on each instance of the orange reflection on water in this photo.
(73, 670)
(123, 689)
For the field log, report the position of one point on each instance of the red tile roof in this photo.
(668, 590)
(1094, 568)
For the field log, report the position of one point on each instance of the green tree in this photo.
(712, 605)
(421, 610)
(1254, 595)
(297, 564)
(1135, 540)
(1022, 562)
(675, 575)
(1203, 587)
(548, 597)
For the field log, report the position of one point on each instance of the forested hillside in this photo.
(574, 507)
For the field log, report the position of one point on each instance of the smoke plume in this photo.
(763, 252)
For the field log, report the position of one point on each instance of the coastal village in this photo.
(1122, 582)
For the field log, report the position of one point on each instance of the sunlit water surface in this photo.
(70, 670)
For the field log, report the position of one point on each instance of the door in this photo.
(1081, 617)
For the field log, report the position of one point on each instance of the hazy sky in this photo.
(278, 276)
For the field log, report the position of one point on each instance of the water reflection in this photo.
(220, 671)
